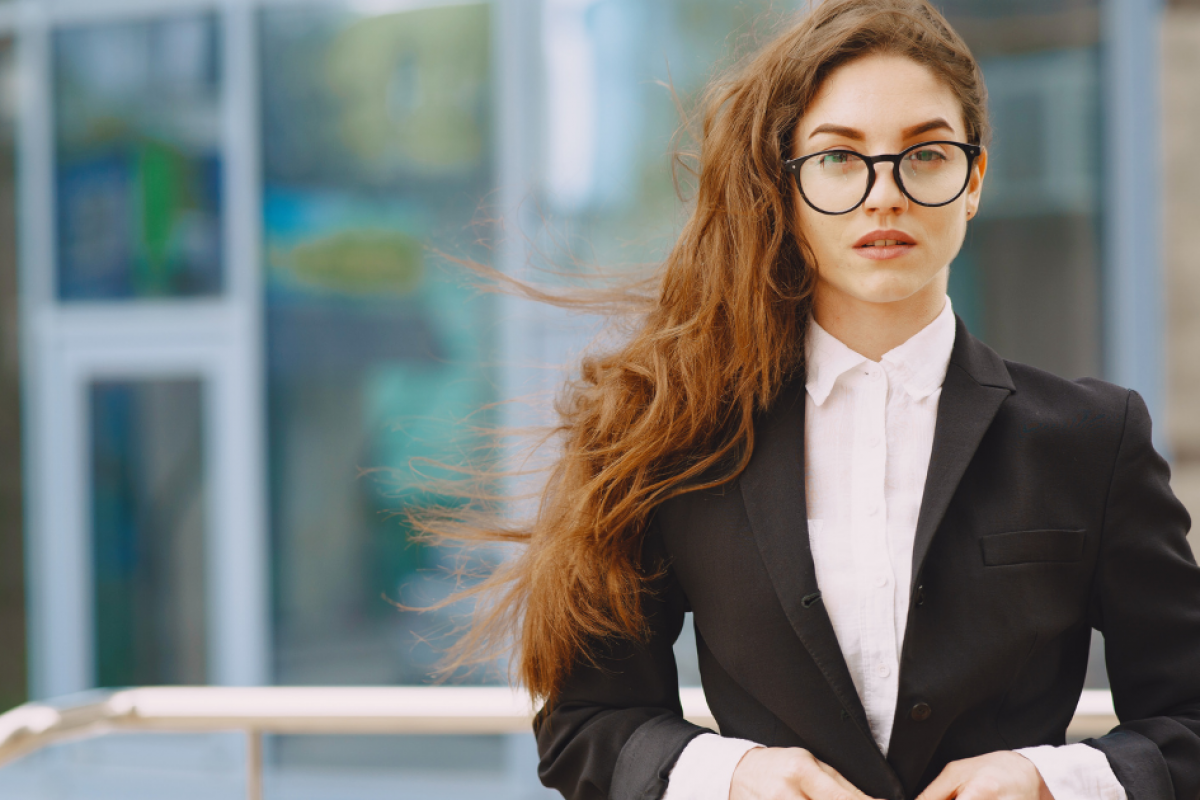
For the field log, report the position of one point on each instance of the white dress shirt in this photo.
(868, 436)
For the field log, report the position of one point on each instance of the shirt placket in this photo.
(872, 553)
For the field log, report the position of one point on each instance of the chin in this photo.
(889, 283)
(887, 291)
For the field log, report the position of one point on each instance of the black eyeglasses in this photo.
(838, 181)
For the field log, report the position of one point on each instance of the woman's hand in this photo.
(1003, 775)
(788, 773)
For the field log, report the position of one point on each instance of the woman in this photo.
(894, 542)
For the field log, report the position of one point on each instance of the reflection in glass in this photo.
(138, 179)
(148, 525)
(377, 145)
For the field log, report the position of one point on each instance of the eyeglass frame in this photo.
(793, 166)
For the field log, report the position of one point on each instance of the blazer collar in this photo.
(977, 383)
(772, 488)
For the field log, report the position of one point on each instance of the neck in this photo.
(872, 329)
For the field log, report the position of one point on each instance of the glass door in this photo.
(141, 364)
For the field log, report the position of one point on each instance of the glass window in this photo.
(1028, 277)
(138, 178)
(377, 152)
(148, 523)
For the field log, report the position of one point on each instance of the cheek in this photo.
(949, 232)
(943, 230)
(821, 231)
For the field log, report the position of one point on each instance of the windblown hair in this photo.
(718, 333)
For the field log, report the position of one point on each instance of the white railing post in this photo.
(254, 764)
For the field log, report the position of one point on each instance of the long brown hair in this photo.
(718, 331)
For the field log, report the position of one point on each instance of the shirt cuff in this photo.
(705, 768)
(1075, 772)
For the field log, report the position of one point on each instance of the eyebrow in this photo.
(857, 135)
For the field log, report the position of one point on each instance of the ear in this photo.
(975, 184)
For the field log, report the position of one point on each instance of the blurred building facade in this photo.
(232, 319)
(1181, 131)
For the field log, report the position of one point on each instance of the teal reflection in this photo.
(377, 150)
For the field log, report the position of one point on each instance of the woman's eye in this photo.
(835, 159)
(927, 156)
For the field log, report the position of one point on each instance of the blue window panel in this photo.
(148, 522)
(138, 182)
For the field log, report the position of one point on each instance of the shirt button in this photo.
(921, 712)
(881, 581)
(874, 441)
(872, 509)
(882, 670)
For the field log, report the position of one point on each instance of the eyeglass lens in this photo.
(836, 181)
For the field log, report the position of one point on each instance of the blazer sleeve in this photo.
(1146, 601)
(616, 728)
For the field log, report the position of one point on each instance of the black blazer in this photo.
(1046, 513)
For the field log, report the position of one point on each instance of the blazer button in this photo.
(921, 711)
(920, 595)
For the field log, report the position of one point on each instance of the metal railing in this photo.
(324, 710)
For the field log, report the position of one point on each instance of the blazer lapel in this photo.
(772, 488)
(977, 382)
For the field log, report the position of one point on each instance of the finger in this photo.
(969, 792)
(944, 786)
(818, 784)
(854, 791)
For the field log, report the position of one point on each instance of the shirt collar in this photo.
(919, 364)
(828, 359)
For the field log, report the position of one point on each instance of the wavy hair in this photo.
(717, 332)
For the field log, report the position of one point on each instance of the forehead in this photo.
(882, 95)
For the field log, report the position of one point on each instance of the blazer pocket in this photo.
(1029, 547)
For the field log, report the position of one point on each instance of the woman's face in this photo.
(874, 105)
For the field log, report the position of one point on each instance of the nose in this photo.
(885, 195)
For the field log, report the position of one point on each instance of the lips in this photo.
(884, 245)
(888, 238)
